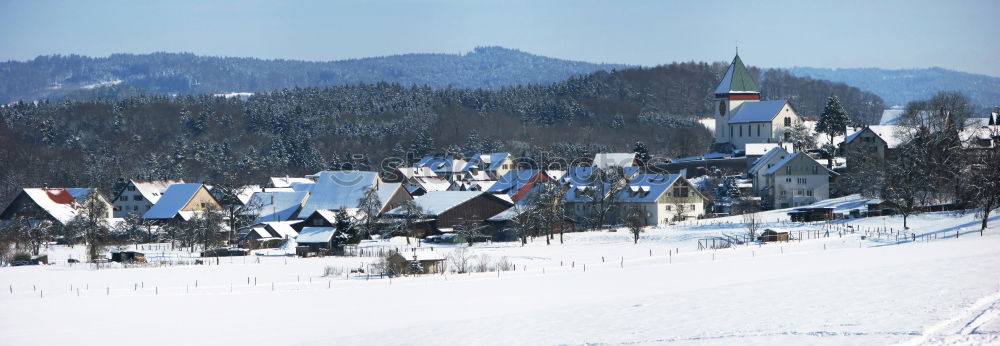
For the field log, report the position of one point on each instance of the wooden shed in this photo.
(769, 235)
(404, 262)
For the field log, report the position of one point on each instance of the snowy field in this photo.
(595, 288)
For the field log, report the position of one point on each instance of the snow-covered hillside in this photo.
(596, 287)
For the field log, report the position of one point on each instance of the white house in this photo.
(140, 195)
(794, 181)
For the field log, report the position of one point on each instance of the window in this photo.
(784, 193)
(741, 130)
(788, 169)
(131, 188)
(123, 198)
(137, 198)
(680, 192)
(758, 130)
(801, 181)
(730, 131)
(668, 208)
(692, 207)
(815, 170)
(317, 222)
(788, 180)
(809, 192)
(788, 121)
(135, 208)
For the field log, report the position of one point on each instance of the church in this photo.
(741, 117)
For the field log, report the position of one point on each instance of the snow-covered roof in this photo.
(412, 172)
(890, 116)
(607, 160)
(489, 162)
(151, 190)
(437, 202)
(891, 134)
(442, 163)
(277, 206)
(788, 158)
(338, 190)
(261, 233)
(244, 192)
(582, 192)
(645, 188)
(773, 155)
(759, 149)
(315, 235)
(288, 181)
(513, 181)
(422, 255)
(173, 200)
(555, 174)
(577, 175)
(283, 229)
(753, 112)
(57, 202)
(431, 183)
(385, 192)
(508, 214)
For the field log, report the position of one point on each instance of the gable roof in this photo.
(772, 155)
(890, 116)
(278, 206)
(442, 163)
(173, 200)
(646, 188)
(282, 229)
(425, 255)
(514, 180)
(315, 235)
(761, 111)
(57, 202)
(411, 172)
(737, 79)
(777, 165)
(489, 162)
(607, 160)
(436, 202)
(338, 190)
(891, 134)
(152, 190)
(577, 175)
(288, 181)
(580, 193)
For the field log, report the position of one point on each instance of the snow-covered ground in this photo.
(595, 288)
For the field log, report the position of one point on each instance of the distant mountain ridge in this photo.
(897, 87)
(57, 76)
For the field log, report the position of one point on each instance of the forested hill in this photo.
(172, 73)
(897, 87)
(203, 138)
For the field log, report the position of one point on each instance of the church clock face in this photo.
(722, 108)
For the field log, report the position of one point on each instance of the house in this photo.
(316, 240)
(276, 206)
(741, 117)
(794, 181)
(269, 231)
(419, 180)
(328, 218)
(762, 164)
(877, 141)
(57, 205)
(181, 202)
(663, 198)
(494, 165)
(519, 184)
(139, 195)
(447, 166)
(406, 262)
(608, 160)
(392, 195)
(441, 211)
(335, 190)
(755, 151)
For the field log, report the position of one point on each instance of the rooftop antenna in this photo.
(737, 47)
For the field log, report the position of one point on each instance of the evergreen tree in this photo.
(833, 122)
(641, 154)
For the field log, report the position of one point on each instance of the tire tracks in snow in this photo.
(963, 327)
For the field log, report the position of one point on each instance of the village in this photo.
(765, 157)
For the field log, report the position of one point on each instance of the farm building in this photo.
(408, 262)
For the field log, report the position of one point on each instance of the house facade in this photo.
(181, 202)
(139, 195)
(794, 181)
(663, 198)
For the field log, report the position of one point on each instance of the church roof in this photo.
(753, 112)
(737, 79)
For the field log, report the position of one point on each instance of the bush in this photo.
(22, 256)
(332, 271)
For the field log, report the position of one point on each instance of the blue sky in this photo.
(956, 35)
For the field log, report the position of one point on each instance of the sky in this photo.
(957, 35)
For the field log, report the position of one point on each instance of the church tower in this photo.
(736, 87)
